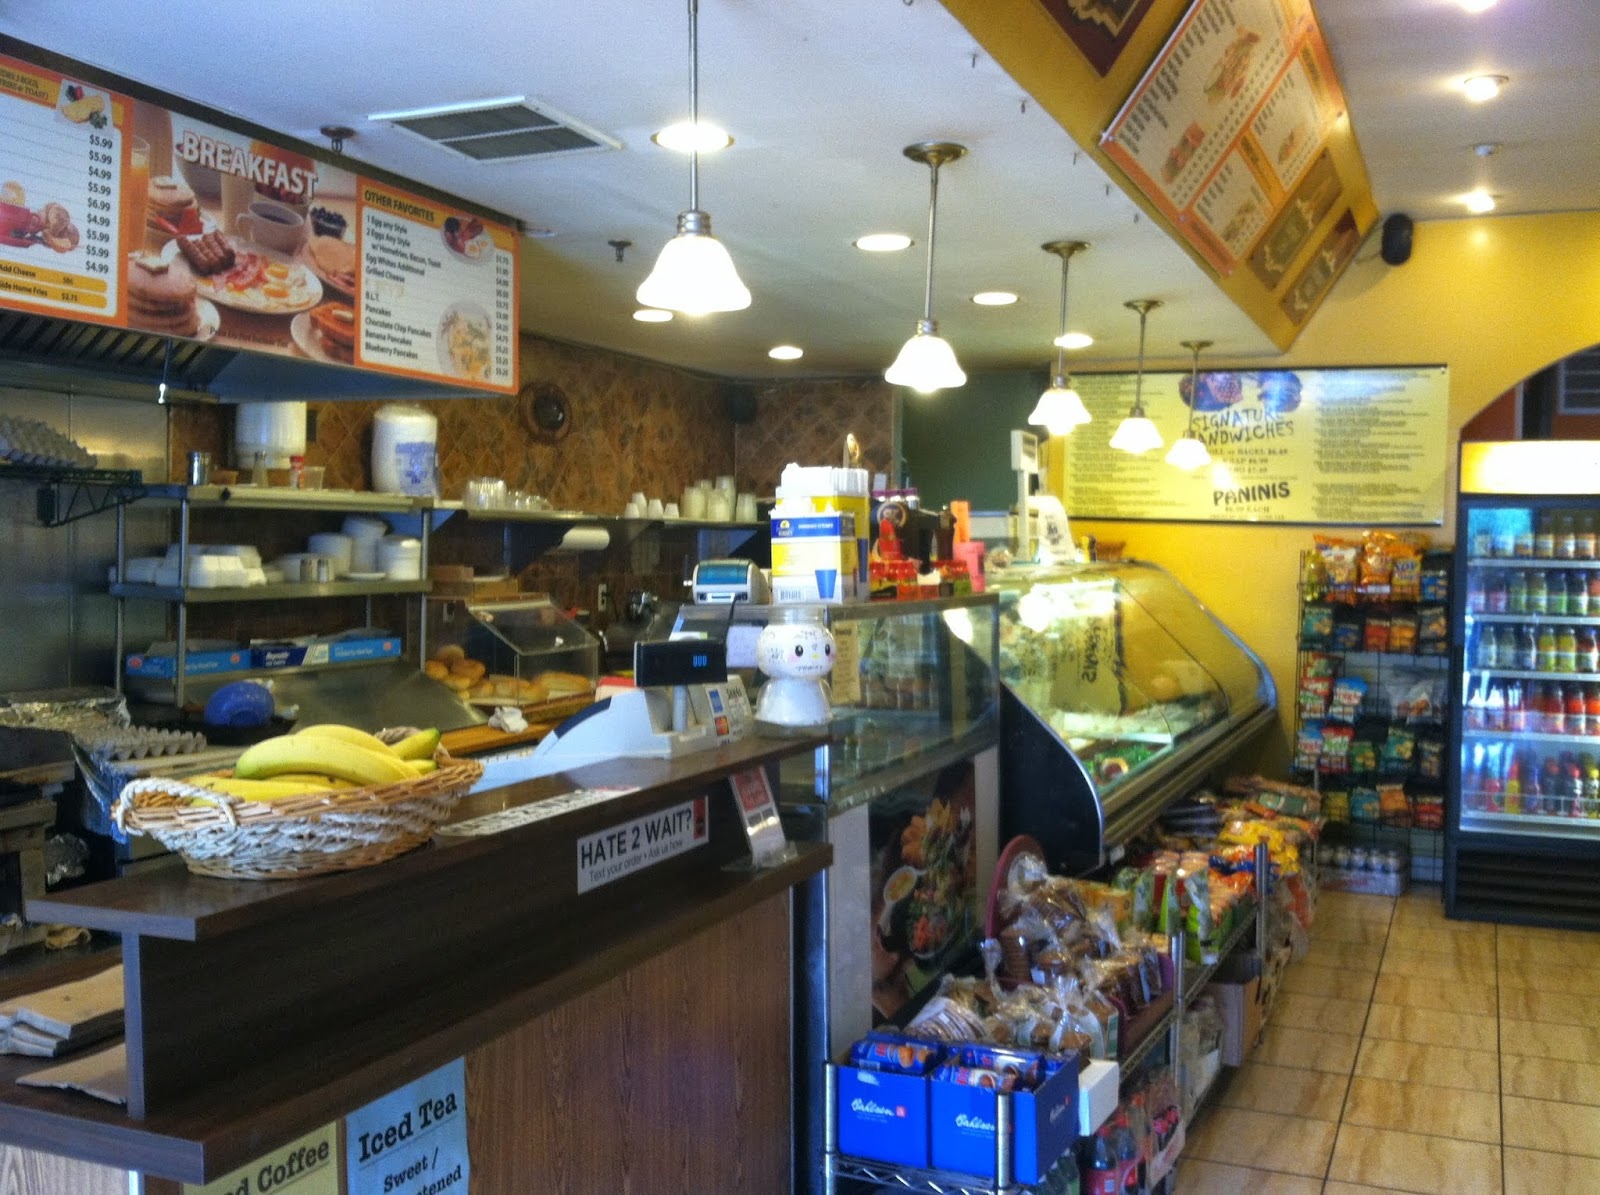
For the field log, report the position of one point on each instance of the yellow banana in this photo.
(348, 734)
(322, 755)
(421, 766)
(266, 790)
(421, 745)
(315, 778)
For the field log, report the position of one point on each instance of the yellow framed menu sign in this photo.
(123, 211)
(1364, 447)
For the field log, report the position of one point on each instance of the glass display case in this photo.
(1522, 834)
(523, 638)
(907, 793)
(1120, 690)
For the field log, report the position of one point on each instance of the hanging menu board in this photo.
(125, 213)
(1227, 133)
(1357, 446)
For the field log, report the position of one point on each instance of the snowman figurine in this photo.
(795, 656)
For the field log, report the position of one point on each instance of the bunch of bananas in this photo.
(322, 759)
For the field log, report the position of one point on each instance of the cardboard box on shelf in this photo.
(1237, 991)
(883, 1116)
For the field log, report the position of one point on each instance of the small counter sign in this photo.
(309, 1166)
(620, 851)
(414, 1140)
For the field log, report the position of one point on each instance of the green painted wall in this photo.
(957, 443)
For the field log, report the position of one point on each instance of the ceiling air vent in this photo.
(500, 130)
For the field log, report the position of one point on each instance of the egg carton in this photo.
(29, 442)
(139, 742)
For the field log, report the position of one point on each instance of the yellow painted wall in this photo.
(1494, 299)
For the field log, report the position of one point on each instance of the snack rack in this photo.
(1188, 982)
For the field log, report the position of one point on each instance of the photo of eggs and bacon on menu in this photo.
(243, 241)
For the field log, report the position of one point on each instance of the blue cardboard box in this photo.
(1044, 1125)
(196, 663)
(343, 650)
(884, 1116)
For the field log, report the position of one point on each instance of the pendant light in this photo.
(1188, 452)
(1059, 408)
(1136, 433)
(694, 274)
(927, 362)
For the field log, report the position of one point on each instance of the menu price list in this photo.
(438, 292)
(61, 192)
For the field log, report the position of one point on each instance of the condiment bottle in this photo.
(297, 471)
(258, 469)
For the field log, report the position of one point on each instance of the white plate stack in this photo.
(400, 557)
(364, 533)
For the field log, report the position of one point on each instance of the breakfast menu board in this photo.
(1226, 124)
(61, 196)
(425, 273)
(123, 212)
(1355, 446)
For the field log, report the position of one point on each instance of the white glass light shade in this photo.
(694, 274)
(1059, 409)
(1188, 453)
(926, 362)
(1136, 434)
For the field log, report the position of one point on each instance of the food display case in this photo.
(1522, 827)
(1120, 691)
(907, 793)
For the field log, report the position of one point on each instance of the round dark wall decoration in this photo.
(545, 411)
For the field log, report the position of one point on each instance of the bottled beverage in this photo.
(1594, 590)
(1499, 596)
(1571, 785)
(1550, 709)
(1516, 710)
(1477, 594)
(1487, 654)
(1577, 715)
(1491, 792)
(1556, 713)
(1567, 649)
(1588, 650)
(1555, 601)
(1100, 1171)
(1473, 716)
(1482, 542)
(1552, 786)
(1527, 654)
(1591, 785)
(1577, 594)
(1566, 537)
(1538, 592)
(1591, 708)
(1587, 545)
(1511, 798)
(1544, 536)
(1504, 541)
(1546, 641)
(1494, 707)
(1524, 543)
(1517, 593)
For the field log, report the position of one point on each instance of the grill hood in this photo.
(45, 353)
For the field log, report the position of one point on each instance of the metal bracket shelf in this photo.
(66, 495)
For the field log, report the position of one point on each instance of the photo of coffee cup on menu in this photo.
(273, 225)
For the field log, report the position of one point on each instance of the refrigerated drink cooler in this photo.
(1522, 837)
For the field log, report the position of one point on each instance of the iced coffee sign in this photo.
(123, 212)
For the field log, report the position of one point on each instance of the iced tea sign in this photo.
(413, 1141)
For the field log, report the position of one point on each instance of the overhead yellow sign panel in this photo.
(1223, 119)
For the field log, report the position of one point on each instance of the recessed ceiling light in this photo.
(1478, 202)
(1476, 6)
(1481, 88)
(994, 298)
(1074, 340)
(652, 315)
(686, 136)
(785, 352)
(883, 242)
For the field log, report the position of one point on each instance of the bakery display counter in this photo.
(259, 1011)
(1120, 692)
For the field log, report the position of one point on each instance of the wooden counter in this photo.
(259, 1011)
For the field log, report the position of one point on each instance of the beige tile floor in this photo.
(1411, 1053)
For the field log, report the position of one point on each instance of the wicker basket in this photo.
(340, 830)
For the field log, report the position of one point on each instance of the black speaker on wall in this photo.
(740, 402)
(1397, 230)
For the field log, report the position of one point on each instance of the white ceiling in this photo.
(821, 96)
